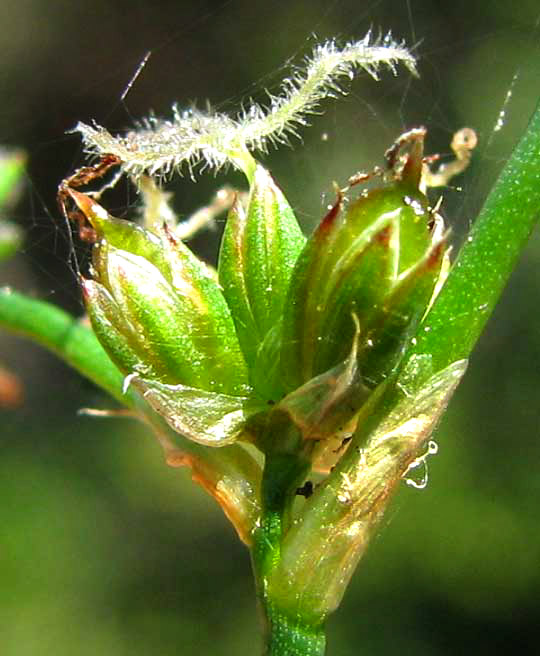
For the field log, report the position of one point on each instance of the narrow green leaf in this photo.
(66, 336)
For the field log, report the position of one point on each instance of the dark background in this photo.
(103, 549)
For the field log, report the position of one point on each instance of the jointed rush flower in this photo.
(267, 376)
(289, 330)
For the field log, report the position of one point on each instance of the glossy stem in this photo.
(286, 637)
(283, 635)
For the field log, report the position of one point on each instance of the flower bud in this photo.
(296, 330)
(260, 247)
(157, 309)
(378, 258)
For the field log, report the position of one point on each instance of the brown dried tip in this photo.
(80, 178)
(332, 213)
(79, 215)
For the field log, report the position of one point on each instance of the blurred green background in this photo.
(103, 548)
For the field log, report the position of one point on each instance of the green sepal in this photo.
(148, 304)
(265, 374)
(327, 403)
(116, 335)
(357, 286)
(179, 336)
(205, 417)
(351, 263)
(168, 306)
(400, 316)
(121, 234)
(259, 249)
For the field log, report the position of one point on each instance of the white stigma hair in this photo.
(207, 139)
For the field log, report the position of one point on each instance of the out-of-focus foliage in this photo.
(11, 171)
(103, 549)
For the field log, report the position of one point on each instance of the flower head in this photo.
(287, 326)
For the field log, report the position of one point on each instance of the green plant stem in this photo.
(64, 335)
(283, 635)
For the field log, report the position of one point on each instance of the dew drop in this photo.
(421, 461)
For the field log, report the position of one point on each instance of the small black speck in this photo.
(306, 490)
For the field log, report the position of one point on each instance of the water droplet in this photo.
(421, 461)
